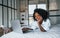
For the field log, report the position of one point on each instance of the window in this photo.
(43, 6)
(0, 15)
(12, 14)
(31, 11)
(31, 8)
(5, 2)
(5, 16)
(9, 3)
(13, 1)
(7, 12)
(0, 1)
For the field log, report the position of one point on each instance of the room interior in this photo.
(22, 10)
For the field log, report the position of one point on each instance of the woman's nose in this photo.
(37, 17)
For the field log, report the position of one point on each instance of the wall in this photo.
(58, 18)
(54, 5)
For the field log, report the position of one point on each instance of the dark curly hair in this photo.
(41, 12)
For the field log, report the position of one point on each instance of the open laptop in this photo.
(16, 26)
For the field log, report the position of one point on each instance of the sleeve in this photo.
(46, 25)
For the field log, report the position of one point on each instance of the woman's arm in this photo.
(26, 29)
(41, 28)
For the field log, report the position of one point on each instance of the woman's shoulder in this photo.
(47, 21)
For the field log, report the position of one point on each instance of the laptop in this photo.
(16, 26)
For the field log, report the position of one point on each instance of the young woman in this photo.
(41, 20)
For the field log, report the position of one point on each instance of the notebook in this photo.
(16, 26)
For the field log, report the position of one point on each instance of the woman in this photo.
(41, 17)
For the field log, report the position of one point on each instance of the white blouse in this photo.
(45, 24)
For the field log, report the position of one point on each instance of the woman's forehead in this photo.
(36, 13)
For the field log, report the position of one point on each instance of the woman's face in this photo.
(38, 17)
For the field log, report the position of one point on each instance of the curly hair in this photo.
(41, 12)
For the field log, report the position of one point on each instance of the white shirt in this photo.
(45, 24)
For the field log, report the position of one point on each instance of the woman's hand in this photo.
(26, 29)
(39, 24)
(40, 21)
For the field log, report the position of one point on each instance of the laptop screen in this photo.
(16, 26)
